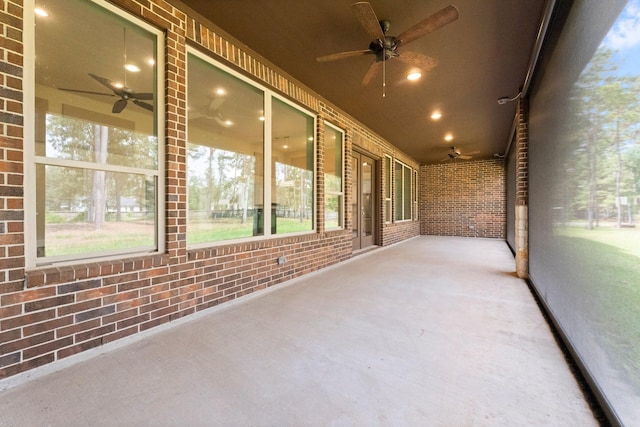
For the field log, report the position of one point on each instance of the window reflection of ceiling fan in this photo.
(211, 111)
(124, 93)
(386, 47)
(455, 154)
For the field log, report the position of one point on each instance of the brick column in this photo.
(522, 190)
(12, 257)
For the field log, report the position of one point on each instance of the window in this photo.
(235, 129)
(96, 170)
(387, 188)
(415, 195)
(292, 166)
(403, 191)
(225, 155)
(333, 177)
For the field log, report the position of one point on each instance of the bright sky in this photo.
(624, 37)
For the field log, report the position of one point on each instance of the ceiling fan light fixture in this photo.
(132, 67)
(414, 75)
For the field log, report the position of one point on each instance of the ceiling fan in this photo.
(455, 154)
(124, 93)
(386, 47)
(211, 111)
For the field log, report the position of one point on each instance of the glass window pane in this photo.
(333, 177)
(96, 118)
(333, 160)
(292, 157)
(73, 139)
(387, 188)
(398, 192)
(93, 211)
(333, 211)
(355, 185)
(83, 63)
(407, 192)
(225, 155)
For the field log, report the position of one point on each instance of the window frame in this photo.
(415, 195)
(269, 96)
(388, 187)
(405, 169)
(341, 207)
(32, 161)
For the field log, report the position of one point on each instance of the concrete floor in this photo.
(434, 331)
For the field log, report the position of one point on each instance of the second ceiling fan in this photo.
(386, 47)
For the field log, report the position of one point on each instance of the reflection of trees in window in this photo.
(402, 191)
(221, 182)
(81, 141)
(294, 194)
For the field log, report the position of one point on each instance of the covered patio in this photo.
(434, 331)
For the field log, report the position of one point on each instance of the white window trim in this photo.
(269, 95)
(341, 192)
(30, 158)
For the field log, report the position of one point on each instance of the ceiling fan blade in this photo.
(429, 25)
(105, 82)
(424, 62)
(372, 72)
(144, 96)
(465, 157)
(119, 106)
(90, 92)
(342, 55)
(215, 104)
(368, 20)
(144, 105)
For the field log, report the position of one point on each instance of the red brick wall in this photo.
(47, 314)
(466, 199)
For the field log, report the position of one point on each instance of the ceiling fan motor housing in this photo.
(384, 49)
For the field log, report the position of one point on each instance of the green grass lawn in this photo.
(609, 261)
(223, 229)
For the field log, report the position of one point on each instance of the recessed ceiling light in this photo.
(41, 12)
(228, 122)
(220, 91)
(118, 85)
(436, 115)
(131, 67)
(415, 75)
(261, 118)
(285, 146)
(448, 137)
